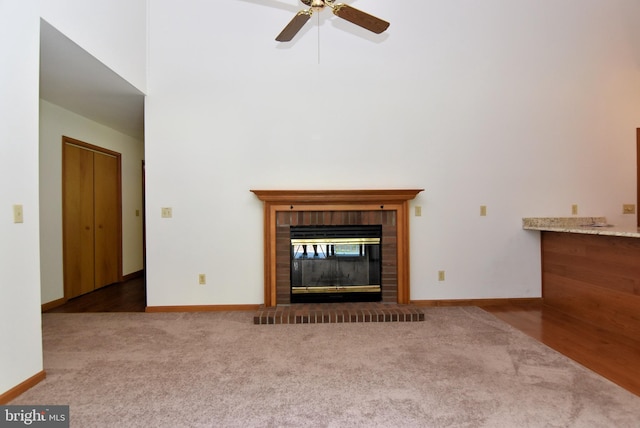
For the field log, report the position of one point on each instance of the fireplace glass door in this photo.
(336, 263)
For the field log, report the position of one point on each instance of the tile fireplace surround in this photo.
(285, 208)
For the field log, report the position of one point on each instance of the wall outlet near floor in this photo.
(628, 209)
(202, 279)
(574, 209)
(483, 210)
(440, 275)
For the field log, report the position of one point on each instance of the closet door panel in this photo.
(78, 221)
(107, 219)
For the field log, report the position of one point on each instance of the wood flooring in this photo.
(128, 296)
(615, 357)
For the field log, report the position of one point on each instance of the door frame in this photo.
(81, 144)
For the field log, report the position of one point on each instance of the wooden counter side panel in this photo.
(594, 278)
(610, 310)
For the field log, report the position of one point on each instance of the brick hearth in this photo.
(324, 313)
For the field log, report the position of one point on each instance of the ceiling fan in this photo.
(341, 10)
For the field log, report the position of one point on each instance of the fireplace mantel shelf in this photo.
(336, 200)
(336, 196)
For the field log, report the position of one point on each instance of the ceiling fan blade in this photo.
(294, 26)
(360, 18)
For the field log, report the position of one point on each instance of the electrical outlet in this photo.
(628, 209)
(202, 279)
(167, 212)
(418, 210)
(574, 209)
(483, 210)
(440, 275)
(18, 214)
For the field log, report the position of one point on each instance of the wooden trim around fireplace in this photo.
(336, 200)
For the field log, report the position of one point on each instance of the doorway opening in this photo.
(84, 98)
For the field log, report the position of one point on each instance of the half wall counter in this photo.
(591, 271)
(583, 225)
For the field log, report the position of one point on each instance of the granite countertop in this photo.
(584, 225)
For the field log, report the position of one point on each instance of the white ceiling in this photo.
(73, 79)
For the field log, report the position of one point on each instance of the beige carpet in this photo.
(461, 367)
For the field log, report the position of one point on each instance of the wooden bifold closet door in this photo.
(91, 193)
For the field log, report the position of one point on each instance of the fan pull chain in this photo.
(318, 38)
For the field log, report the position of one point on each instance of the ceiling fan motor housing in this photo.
(317, 4)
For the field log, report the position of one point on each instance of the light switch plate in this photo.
(18, 214)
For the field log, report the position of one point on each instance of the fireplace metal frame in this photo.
(322, 271)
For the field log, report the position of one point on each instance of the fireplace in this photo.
(287, 209)
(336, 263)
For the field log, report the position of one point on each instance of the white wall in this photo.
(526, 107)
(91, 25)
(21, 350)
(54, 123)
(113, 31)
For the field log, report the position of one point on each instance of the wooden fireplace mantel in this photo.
(349, 197)
(336, 200)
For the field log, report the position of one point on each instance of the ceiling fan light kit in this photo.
(341, 10)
